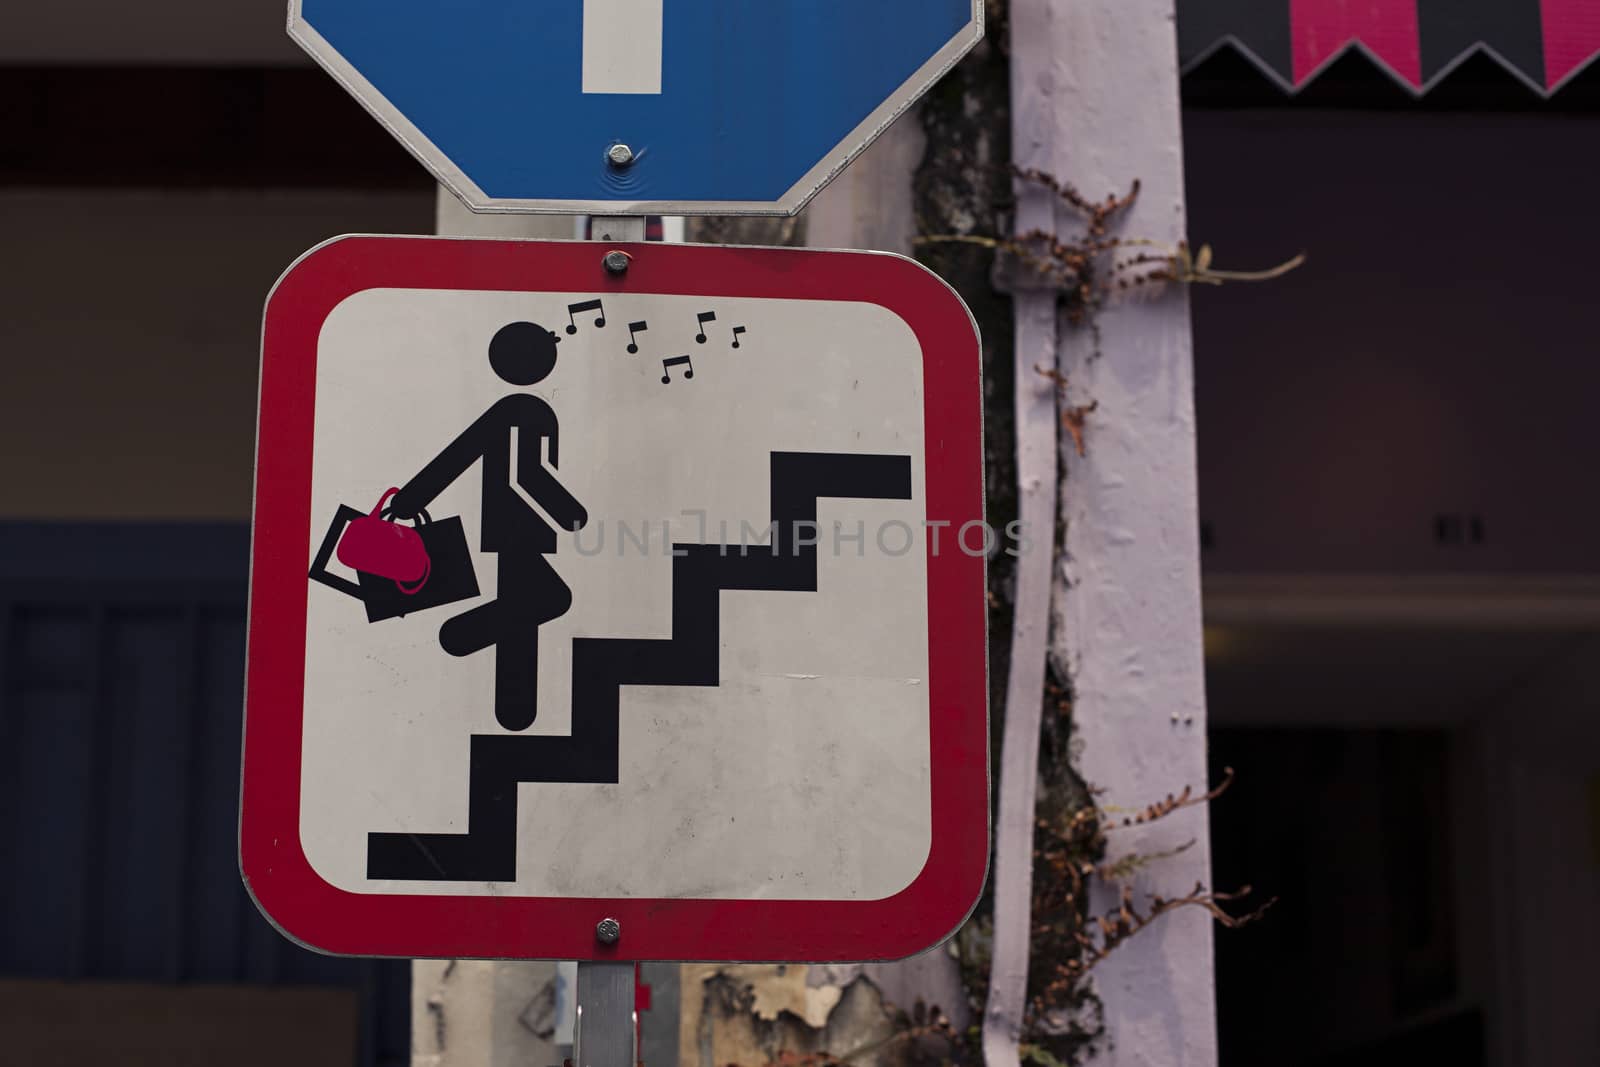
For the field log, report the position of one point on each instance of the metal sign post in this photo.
(606, 1030)
(605, 1034)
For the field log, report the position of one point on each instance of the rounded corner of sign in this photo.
(947, 893)
(305, 259)
(308, 264)
(959, 918)
(893, 266)
(300, 939)
(262, 892)
(259, 888)
(936, 925)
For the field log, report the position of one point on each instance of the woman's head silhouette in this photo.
(523, 353)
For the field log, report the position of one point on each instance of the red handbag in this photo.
(375, 545)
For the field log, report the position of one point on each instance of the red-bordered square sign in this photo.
(651, 594)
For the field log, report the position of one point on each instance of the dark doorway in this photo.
(1356, 962)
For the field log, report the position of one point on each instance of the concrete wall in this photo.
(214, 32)
(1437, 354)
(130, 326)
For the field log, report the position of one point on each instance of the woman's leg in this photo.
(530, 593)
(471, 631)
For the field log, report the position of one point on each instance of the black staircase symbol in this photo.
(601, 666)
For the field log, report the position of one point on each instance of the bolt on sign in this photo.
(600, 608)
(619, 107)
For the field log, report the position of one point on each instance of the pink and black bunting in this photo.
(1543, 42)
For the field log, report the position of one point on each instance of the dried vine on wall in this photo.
(1084, 271)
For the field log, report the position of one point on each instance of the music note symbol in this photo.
(737, 330)
(586, 305)
(704, 317)
(668, 364)
(635, 328)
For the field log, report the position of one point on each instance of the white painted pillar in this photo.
(486, 1013)
(1095, 102)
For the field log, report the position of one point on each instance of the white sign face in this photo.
(659, 600)
(804, 774)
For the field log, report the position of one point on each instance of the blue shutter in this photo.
(121, 685)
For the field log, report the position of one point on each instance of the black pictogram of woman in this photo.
(509, 438)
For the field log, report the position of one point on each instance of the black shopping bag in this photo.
(450, 575)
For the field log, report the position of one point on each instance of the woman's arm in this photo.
(541, 485)
(448, 465)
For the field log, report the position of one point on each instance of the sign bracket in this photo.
(618, 227)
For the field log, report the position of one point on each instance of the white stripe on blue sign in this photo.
(622, 46)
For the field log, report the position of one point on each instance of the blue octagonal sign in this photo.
(724, 106)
